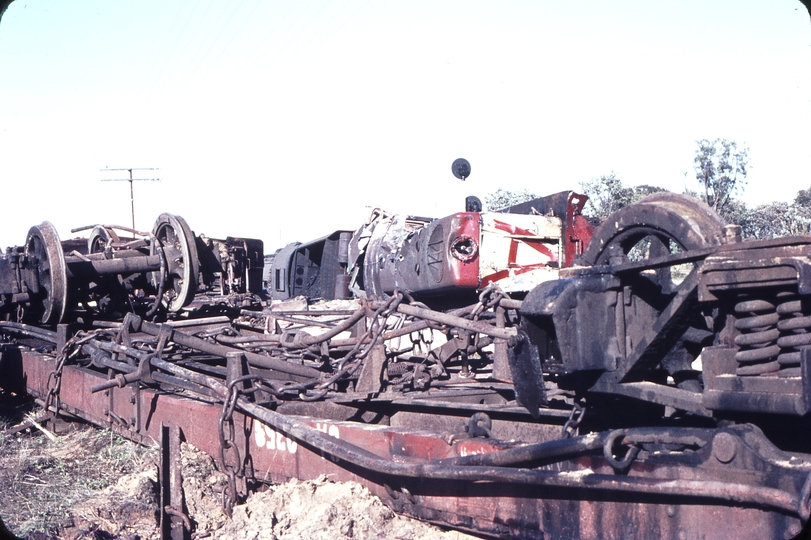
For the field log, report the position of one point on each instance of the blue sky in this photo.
(286, 120)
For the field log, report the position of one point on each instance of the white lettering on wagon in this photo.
(329, 429)
(271, 439)
(332, 431)
(464, 451)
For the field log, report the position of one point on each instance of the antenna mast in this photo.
(131, 180)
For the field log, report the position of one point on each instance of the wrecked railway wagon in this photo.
(653, 381)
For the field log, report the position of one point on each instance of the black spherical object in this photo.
(461, 168)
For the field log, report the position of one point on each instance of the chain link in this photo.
(575, 417)
(370, 339)
(71, 348)
(488, 298)
(55, 384)
(608, 451)
(228, 448)
(55, 377)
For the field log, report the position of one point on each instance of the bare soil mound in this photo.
(92, 484)
(323, 510)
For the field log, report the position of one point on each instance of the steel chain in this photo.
(55, 383)
(55, 377)
(228, 449)
(488, 299)
(575, 417)
(354, 358)
(373, 334)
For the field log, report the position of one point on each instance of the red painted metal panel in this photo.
(464, 271)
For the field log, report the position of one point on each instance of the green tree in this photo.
(737, 212)
(803, 198)
(640, 192)
(721, 170)
(772, 220)
(607, 194)
(502, 198)
(775, 220)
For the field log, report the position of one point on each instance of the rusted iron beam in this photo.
(202, 345)
(457, 322)
(124, 265)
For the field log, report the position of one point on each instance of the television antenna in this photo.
(131, 180)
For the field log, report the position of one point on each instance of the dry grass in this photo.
(43, 479)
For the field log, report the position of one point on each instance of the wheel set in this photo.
(114, 273)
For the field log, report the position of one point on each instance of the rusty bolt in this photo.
(724, 447)
(671, 510)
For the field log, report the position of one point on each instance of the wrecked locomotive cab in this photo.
(438, 260)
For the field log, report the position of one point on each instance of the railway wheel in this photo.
(44, 245)
(99, 238)
(657, 226)
(177, 281)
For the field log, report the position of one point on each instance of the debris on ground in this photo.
(44, 480)
(323, 510)
(90, 483)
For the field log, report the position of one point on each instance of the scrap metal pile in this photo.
(514, 374)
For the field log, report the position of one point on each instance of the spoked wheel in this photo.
(657, 226)
(44, 245)
(177, 280)
(99, 238)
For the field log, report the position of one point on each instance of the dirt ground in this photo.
(89, 483)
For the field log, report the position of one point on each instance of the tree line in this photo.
(720, 168)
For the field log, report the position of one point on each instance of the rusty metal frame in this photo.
(478, 476)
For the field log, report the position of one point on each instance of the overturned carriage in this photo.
(514, 374)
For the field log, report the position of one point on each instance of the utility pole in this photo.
(131, 180)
